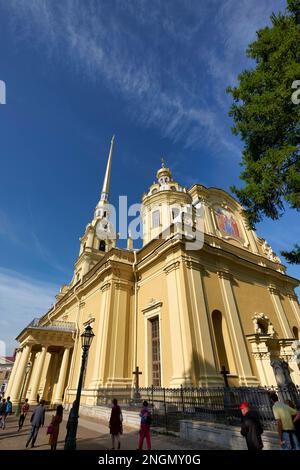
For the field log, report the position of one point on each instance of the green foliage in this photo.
(268, 121)
(293, 256)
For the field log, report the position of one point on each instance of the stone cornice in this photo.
(223, 274)
(292, 296)
(193, 264)
(119, 285)
(171, 267)
(105, 287)
(274, 290)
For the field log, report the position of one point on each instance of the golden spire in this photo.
(105, 187)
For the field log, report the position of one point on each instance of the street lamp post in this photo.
(18, 410)
(86, 341)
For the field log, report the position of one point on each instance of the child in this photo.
(145, 426)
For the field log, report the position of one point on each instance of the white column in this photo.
(20, 374)
(37, 373)
(240, 351)
(13, 373)
(62, 376)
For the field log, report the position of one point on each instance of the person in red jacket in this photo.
(25, 409)
(115, 424)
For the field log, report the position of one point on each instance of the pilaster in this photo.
(243, 364)
(180, 335)
(208, 375)
(275, 296)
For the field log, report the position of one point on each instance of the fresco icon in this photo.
(227, 223)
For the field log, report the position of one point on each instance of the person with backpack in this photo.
(145, 415)
(7, 411)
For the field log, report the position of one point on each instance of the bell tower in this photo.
(99, 236)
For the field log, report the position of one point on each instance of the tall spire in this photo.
(105, 188)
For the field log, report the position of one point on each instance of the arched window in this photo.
(154, 191)
(296, 332)
(173, 188)
(155, 219)
(102, 245)
(222, 341)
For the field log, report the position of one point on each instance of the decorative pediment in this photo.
(152, 305)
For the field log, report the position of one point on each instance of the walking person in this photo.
(115, 424)
(145, 415)
(37, 420)
(2, 411)
(7, 411)
(251, 427)
(24, 411)
(285, 426)
(296, 419)
(54, 427)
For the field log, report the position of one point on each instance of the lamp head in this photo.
(87, 337)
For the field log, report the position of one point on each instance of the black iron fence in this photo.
(217, 405)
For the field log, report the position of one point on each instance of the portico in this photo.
(49, 350)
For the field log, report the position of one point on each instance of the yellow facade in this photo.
(227, 303)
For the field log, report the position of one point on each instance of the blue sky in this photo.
(152, 72)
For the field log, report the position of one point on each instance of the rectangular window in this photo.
(155, 343)
(155, 219)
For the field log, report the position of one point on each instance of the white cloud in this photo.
(170, 61)
(21, 299)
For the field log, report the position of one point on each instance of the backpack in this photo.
(146, 418)
(8, 407)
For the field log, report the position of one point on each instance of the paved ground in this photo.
(92, 435)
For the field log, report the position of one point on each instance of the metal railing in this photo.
(55, 325)
(216, 405)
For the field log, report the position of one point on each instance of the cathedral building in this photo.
(202, 293)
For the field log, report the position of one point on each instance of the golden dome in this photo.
(164, 171)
